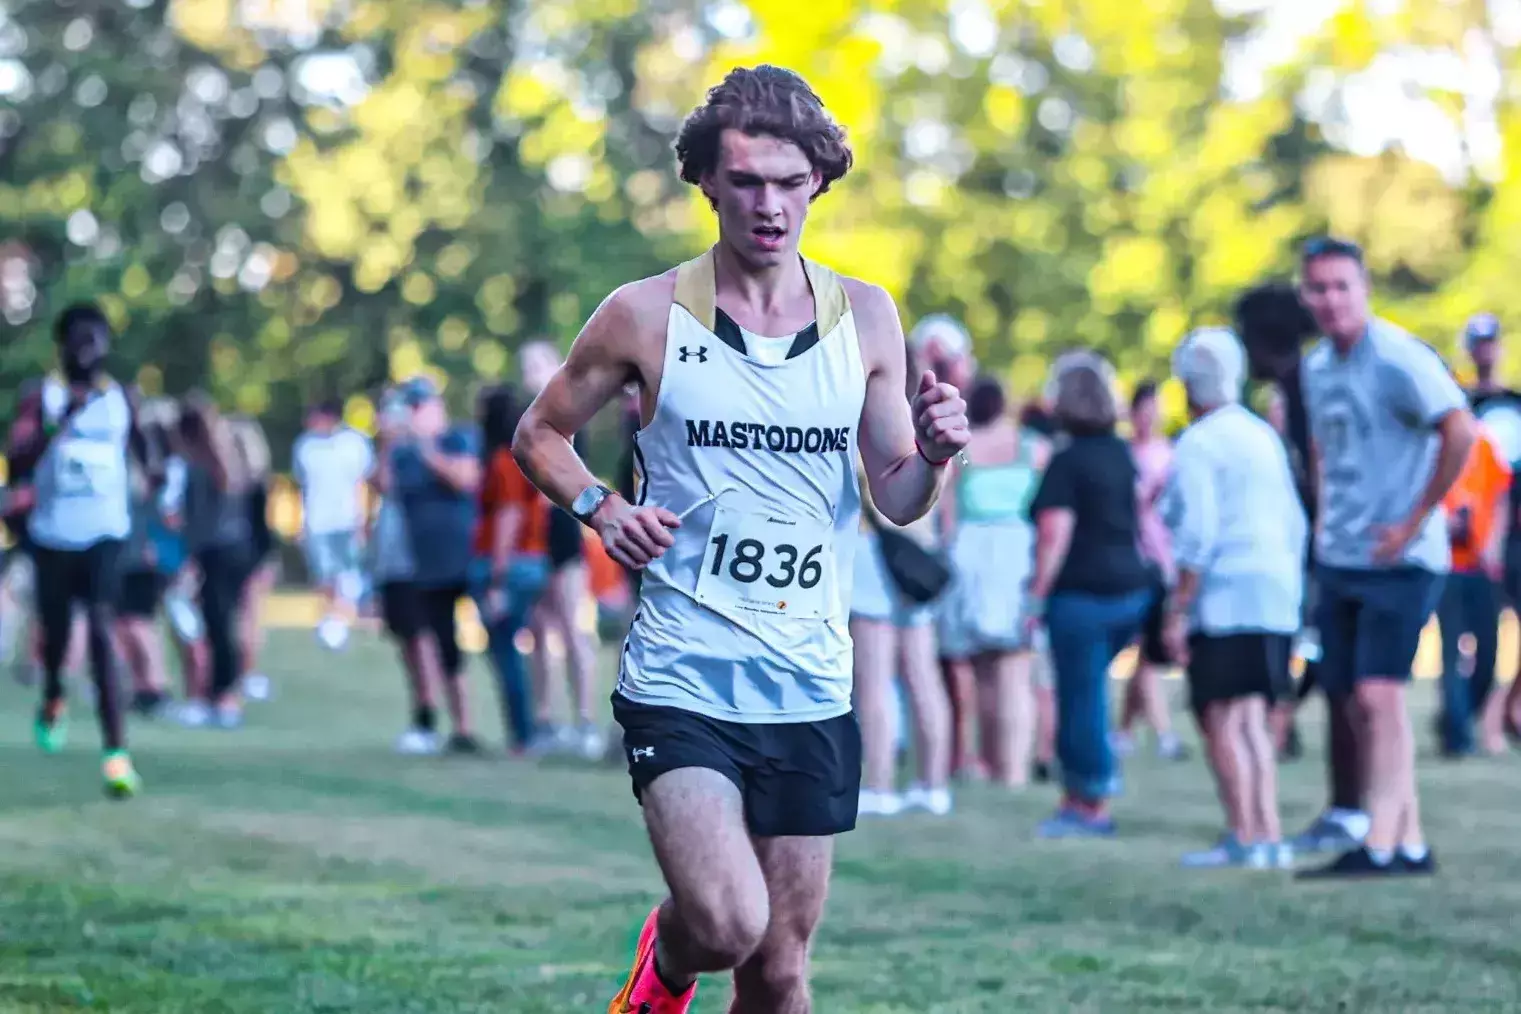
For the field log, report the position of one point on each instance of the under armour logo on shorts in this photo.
(640, 752)
(701, 354)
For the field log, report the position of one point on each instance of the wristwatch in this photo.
(587, 501)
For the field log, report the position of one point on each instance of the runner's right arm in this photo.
(622, 342)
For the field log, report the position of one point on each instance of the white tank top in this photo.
(745, 618)
(83, 493)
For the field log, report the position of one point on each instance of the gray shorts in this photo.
(331, 555)
(875, 597)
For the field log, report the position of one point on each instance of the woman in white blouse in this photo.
(1238, 537)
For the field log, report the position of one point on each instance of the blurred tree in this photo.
(290, 200)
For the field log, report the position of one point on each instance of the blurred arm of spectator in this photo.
(1194, 518)
(453, 460)
(1054, 523)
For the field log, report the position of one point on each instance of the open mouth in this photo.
(769, 233)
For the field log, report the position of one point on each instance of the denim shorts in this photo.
(1370, 623)
(330, 555)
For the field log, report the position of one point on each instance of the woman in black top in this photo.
(1090, 584)
(219, 537)
(253, 452)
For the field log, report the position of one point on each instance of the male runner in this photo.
(762, 375)
(76, 441)
(1391, 432)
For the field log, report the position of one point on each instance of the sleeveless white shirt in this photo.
(83, 492)
(746, 617)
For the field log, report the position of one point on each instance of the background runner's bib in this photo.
(746, 617)
(83, 492)
(86, 469)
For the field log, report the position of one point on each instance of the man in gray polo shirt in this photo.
(1391, 431)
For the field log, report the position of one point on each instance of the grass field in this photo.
(298, 866)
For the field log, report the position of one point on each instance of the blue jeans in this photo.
(1470, 604)
(1087, 632)
(523, 583)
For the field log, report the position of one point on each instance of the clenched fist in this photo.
(940, 424)
(633, 536)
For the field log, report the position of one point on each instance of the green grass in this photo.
(297, 866)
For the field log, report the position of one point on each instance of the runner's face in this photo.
(1335, 291)
(761, 189)
(83, 352)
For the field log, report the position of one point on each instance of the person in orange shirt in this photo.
(511, 565)
(1477, 515)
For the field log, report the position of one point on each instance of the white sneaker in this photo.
(418, 743)
(193, 714)
(934, 801)
(1280, 856)
(256, 687)
(879, 804)
(592, 744)
(333, 633)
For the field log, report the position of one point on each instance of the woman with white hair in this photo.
(939, 342)
(1239, 538)
(1090, 587)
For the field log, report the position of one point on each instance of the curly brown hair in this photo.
(763, 101)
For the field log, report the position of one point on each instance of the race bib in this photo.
(84, 469)
(764, 563)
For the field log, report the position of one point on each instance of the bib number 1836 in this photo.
(764, 564)
(748, 563)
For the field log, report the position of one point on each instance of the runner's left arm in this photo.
(905, 445)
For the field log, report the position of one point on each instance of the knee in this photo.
(775, 974)
(727, 928)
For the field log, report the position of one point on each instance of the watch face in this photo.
(1502, 417)
(586, 501)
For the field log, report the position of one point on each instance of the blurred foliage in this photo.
(289, 199)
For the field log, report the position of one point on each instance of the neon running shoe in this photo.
(644, 993)
(51, 728)
(122, 780)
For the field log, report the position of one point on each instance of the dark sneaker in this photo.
(1325, 835)
(1425, 866)
(1072, 824)
(463, 743)
(1357, 864)
(1041, 772)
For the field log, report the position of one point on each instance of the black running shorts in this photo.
(139, 594)
(1228, 667)
(1153, 648)
(798, 779)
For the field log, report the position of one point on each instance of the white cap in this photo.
(1211, 363)
(943, 330)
